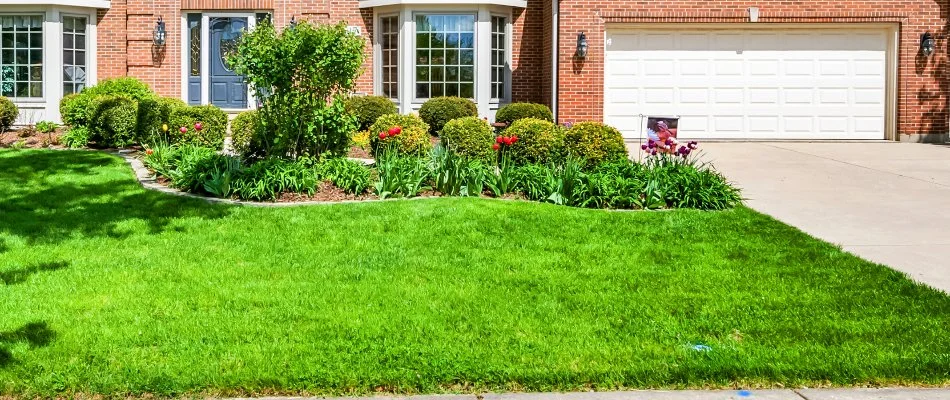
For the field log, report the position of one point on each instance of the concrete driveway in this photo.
(885, 202)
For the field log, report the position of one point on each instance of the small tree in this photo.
(301, 75)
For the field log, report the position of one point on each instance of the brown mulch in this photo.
(32, 139)
(325, 192)
(359, 152)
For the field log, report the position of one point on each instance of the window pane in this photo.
(499, 56)
(74, 58)
(390, 50)
(448, 41)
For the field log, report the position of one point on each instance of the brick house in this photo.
(765, 69)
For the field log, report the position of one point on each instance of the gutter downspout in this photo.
(555, 31)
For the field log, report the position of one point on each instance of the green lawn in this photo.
(106, 288)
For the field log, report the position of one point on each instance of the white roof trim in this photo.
(381, 3)
(68, 3)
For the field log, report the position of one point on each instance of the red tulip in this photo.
(500, 139)
(382, 135)
(395, 131)
(149, 151)
(198, 126)
(514, 139)
(183, 130)
(495, 147)
(508, 141)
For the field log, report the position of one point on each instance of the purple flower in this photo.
(568, 125)
(644, 147)
(669, 142)
(693, 145)
(652, 145)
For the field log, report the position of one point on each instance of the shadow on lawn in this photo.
(20, 275)
(40, 202)
(34, 334)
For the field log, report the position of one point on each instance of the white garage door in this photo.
(749, 84)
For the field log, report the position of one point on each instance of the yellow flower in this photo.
(165, 127)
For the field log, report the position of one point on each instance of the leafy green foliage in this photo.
(456, 176)
(517, 111)
(595, 143)
(155, 115)
(8, 114)
(244, 134)
(352, 176)
(73, 109)
(414, 139)
(192, 165)
(400, 175)
(204, 126)
(161, 158)
(46, 126)
(76, 137)
(125, 86)
(112, 120)
(469, 137)
(539, 141)
(301, 75)
(368, 109)
(438, 111)
(501, 179)
(687, 183)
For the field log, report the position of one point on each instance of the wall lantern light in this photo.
(158, 36)
(293, 22)
(582, 45)
(927, 44)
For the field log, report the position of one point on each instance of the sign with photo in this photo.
(661, 128)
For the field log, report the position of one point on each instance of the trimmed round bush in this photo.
(515, 111)
(595, 142)
(214, 125)
(439, 111)
(112, 120)
(153, 113)
(469, 137)
(368, 109)
(414, 138)
(539, 141)
(73, 108)
(8, 114)
(125, 86)
(244, 132)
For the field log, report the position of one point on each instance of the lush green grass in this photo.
(108, 288)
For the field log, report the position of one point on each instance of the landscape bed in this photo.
(108, 289)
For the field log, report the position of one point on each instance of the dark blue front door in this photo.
(228, 89)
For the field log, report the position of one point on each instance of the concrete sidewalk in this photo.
(883, 201)
(777, 394)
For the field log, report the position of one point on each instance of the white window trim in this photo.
(407, 101)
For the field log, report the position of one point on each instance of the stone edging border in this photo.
(148, 180)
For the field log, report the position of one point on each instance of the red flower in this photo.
(508, 141)
(500, 139)
(149, 151)
(183, 130)
(514, 139)
(395, 131)
(495, 147)
(382, 135)
(198, 126)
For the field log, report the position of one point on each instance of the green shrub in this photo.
(414, 139)
(295, 72)
(72, 109)
(212, 122)
(595, 142)
(352, 176)
(368, 109)
(515, 111)
(112, 120)
(684, 183)
(439, 111)
(46, 126)
(469, 137)
(244, 130)
(125, 87)
(76, 137)
(154, 116)
(8, 114)
(539, 141)
(191, 167)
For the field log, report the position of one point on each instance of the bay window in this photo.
(445, 56)
(21, 56)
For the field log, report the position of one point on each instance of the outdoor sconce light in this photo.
(158, 36)
(927, 44)
(293, 22)
(582, 45)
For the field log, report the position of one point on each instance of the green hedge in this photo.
(469, 137)
(368, 109)
(154, 116)
(8, 114)
(439, 111)
(414, 138)
(73, 108)
(539, 141)
(596, 143)
(125, 86)
(213, 126)
(515, 111)
(112, 120)
(244, 132)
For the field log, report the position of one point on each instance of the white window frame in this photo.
(407, 101)
(88, 49)
(509, 58)
(378, 55)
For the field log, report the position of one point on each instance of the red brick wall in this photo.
(922, 105)
(528, 54)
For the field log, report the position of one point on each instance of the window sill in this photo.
(383, 3)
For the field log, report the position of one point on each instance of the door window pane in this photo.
(21, 56)
(445, 54)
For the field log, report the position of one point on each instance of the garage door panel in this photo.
(749, 84)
